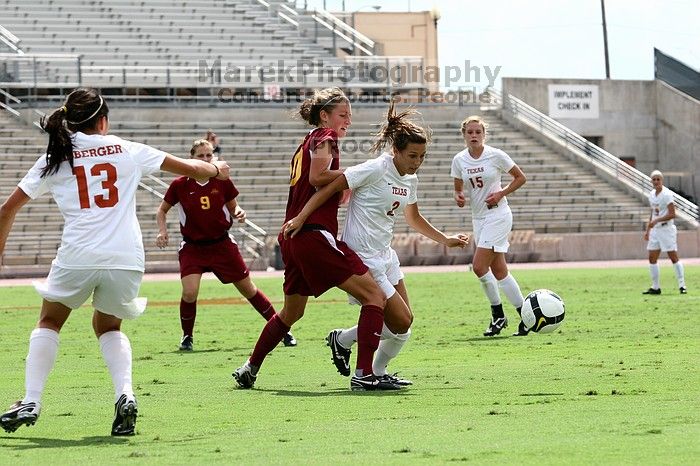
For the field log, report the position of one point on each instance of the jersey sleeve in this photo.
(456, 171)
(322, 135)
(667, 200)
(231, 191)
(365, 173)
(505, 163)
(413, 197)
(148, 158)
(171, 195)
(33, 184)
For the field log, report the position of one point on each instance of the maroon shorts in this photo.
(222, 258)
(315, 262)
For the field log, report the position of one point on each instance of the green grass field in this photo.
(619, 383)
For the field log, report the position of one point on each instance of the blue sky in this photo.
(555, 38)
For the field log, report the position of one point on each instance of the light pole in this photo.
(605, 40)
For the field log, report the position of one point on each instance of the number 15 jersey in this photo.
(97, 200)
(482, 177)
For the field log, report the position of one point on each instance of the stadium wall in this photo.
(646, 123)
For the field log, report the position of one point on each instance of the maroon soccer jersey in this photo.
(300, 190)
(203, 212)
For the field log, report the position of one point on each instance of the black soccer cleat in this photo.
(683, 290)
(523, 331)
(125, 412)
(496, 326)
(371, 382)
(395, 379)
(187, 343)
(289, 340)
(245, 378)
(20, 414)
(339, 354)
(652, 291)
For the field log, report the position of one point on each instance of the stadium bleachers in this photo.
(559, 197)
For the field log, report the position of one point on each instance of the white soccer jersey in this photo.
(659, 204)
(482, 177)
(379, 194)
(97, 200)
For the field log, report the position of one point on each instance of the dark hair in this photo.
(324, 99)
(400, 131)
(81, 110)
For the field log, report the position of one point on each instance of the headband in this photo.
(88, 118)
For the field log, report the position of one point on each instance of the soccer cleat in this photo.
(395, 379)
(652, 291)
(496, 326)
(20, 414)
(683, 290)
(289, 340)
(523, 331)
(187, 343)
(339, 354)
(372, 382)
(244, 376)
(125, 412)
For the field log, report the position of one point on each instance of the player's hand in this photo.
(224, 170)
(162, 240)
(240, 215)
(646, 235)
(493, 199)
(457, 241)
(460, 199)
(292, 227)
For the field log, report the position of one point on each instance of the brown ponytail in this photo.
(81, 111)
(400, 131)
(324, 99)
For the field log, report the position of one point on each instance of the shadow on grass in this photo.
(40, 442)
(334, 392)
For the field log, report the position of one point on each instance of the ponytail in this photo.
(81, 111)
(399, 131)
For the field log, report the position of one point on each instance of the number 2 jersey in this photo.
(482, 177)
(301, 190)
(97, 201)
(379, 195)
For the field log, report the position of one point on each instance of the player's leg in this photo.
(260, 303)
(43, 349)
(670, 246)
(398, 319)
(188, 309)
(273, 332)
(481, 265)
(510, 288)
(654, 271)
(116, 298)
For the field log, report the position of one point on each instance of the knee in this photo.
(189, 296)
(404, 324)
(290, 316)
(48, 322)
(480, 270)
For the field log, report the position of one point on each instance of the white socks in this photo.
(490, 287)
(43, 348)
(388, 349)
(654, 272)
(348, 337)
(512, 290)
(116, 351)
(678, 269)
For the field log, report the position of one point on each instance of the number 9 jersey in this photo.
(481, 177)
(97, 200)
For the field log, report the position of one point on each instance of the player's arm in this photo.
(459, 192)
(670, 215)
(320, 173)
(416, 221)
(236, 211)
(197, 169)
(8, 211)
(161, 214)
(292, 226)
(518, 180)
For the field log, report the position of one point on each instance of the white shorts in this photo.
(114, 291)
(492, 232)
(663, 237)
(385, 268)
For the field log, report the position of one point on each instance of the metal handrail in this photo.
(11, 40)
(353, 36)
(590, 153)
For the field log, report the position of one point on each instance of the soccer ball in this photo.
(542, 311)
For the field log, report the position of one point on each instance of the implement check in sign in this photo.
(573, 100)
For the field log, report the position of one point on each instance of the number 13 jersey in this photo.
(97, 200)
